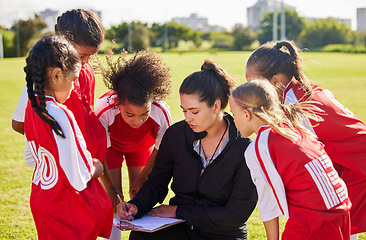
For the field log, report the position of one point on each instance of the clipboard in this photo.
(150, 224)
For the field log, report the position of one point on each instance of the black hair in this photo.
(82, 27)
(282, 57)
(210, 84)
(49, 51)
(138, 80)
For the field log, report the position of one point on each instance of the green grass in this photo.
(343, 74)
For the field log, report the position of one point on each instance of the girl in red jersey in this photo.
(343, 133)
(84, 30)
(134, 116)
(67, 200)
(290, 168)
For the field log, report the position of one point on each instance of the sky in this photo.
(222, 13)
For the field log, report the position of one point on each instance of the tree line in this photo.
(171, 36)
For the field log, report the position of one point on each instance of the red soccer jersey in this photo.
(66, 203)
(84, 86)
(297, 179)
(81, 103)
(342, 132)
(122, 136)
(344, 137)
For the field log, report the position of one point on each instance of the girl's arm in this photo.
(108, 185)
(17, 126)
(97, 169)
(136, 185)
(272, 229)
(19, 112)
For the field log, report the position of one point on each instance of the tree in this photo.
(323, 32)
(120, 34)
(26, 32)
(8, 42)
(294, 26)
(243, 37)
(220, 39)
(140, 36)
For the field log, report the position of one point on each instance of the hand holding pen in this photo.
(125, 211)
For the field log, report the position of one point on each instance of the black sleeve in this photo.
(231, 216)
(155, 188)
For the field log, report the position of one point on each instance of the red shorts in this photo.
(115, 158)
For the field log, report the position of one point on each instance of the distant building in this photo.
(197, 23)
(361, 19)
(50, 17)
(346, 21)
(255, 12)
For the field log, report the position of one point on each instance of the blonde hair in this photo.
(261, 96)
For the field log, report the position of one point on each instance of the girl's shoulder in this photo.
(160, 105)
(160, 112)
(105, 102)
(59, 111)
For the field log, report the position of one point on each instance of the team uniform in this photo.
(124, 142)
(84, 86)
(65, 202)
(81, 103)
(298, 181)
(344, 137)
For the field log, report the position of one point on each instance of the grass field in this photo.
(343, 74)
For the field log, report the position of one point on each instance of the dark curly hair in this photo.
(141, 79)
(49, 51)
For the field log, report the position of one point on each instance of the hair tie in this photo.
(279, 45)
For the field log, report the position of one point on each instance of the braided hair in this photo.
(282, 57)
(50, 51)
(210, 84)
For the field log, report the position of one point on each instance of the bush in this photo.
(116, 47)
(349, 48)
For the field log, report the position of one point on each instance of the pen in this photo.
(124, 206)
(119, 197)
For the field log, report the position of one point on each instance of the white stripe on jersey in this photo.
(272, 200)
(331, 188)
(291, 98)
(74, 158)
(162, 117)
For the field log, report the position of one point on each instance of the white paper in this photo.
(150, 223)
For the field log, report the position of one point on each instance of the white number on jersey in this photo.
(46, 169)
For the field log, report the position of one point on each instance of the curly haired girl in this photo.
(134, 114)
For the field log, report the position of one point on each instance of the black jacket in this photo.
(220, 200)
